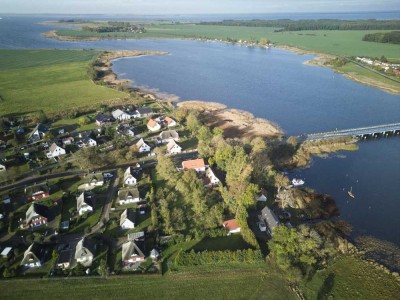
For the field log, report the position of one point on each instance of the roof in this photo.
(169, 134)
(135, 236)
(210, 173)
(124, 193)
(65, 256)
(231, 224)
(81, 199)
(140, 143)
(193, 164)
(40, 128)
(104, 118)
(34, 251)
(53, 147)
(144, 110)
(152, 123)
(37, 209)
(127, 214)
(171, 144)
(84, 247)
(30, 190)
(117, 113)
(6, 251)
(94, 177)
(154, 253)
(130, 249)
(169, 120)
(128, 173)
(269, 217)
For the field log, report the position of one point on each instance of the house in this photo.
(131, 255)
(262, 197)
(143, 112)
(84, 203)
(37, 191)
(142, 146)
(129, 195)
(127, 220)
(37, 133)
(33, 256)
(128, 177)
(195, 164)
(68, 141)
(167, 136)
(55, 151)
(153, 126)
(269, 219)
(6, 199)
(88, 142)
(36, 215)
(173, 147)
(120, 115)
(170, 122)
(94, 179)
(231, 226)
(2, 168)
(84, 252)
(7, 251)
(65, 259)
(103, 119)
(211, 179)
(125, 129)
(136, 236)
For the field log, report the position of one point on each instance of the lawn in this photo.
(222, 284)
(52, 80)
(352, 278)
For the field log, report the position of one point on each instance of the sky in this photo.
(153, 7)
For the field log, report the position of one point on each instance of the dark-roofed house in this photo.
(127, 220)
(33, 256)
(37, 191)
(86, 140)
(37, 215)
(65, 260)
(132, 255)
(143, 112)
(167, 136)
(84, 252)
(269, 219)
(84, 203)
(103, 119)
(37, 133)
(94, 179)
(128, 195)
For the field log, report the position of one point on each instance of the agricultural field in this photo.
(51, 80)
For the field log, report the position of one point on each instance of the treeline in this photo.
(392, 37)
(114, 26)
(292, 25)
(227, 257)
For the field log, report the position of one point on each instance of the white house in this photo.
(68, 141)
(128, 195)
(142, 146)
(93, 180)
(131, 254)
(170, 122)
(153, 125)
(173, 147)
(84, 252)
(84, 204)
(168, 135)
(55, 151)
(33, 256)
(128, 177)
(212, 179)
(127, 220)
(120, 115)
(262, 197)
(2, 167)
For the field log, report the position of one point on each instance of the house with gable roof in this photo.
(173, 147)
(170, 122)
(94, 179)
(37, 133)
(127, 220)
(128, 177)
(195, 164)
(142, 146)
(128, 195)
(143, 112)
(84, 203)
(167, 136)
(84, 252)
(120, 115)
(268, 220)
(55, 151)
(153, 125)
(231, 226)
(33, 256)
(37, 215)
(132, 255)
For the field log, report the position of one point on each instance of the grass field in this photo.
(343, 42)
(52, 80)
(229, 284)
(351, 278)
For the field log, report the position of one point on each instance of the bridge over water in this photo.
(363, 132)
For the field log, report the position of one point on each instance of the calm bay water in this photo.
(276, 85)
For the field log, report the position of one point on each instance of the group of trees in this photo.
(115, 26)
(392, 37)
(226, 257)
(297, 25)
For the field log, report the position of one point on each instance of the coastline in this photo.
(321, 59)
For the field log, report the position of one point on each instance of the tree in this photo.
(192, 122)
(79, 270)
(103, 269)
(83, 121)
(264, 42)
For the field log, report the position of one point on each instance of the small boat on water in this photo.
(297, 182)
(351, 193)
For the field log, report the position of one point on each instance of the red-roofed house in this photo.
(232, 226)
(195, 164)
(153, 125)
(170, 122)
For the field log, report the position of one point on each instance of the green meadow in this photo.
(52, 80)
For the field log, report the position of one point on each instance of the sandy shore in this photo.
(234, 122)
